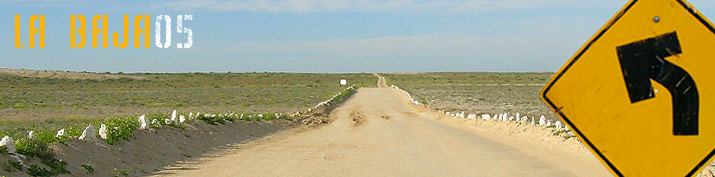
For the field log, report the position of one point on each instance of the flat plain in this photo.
(46, 101)
(477, 92)
(43, 95)
(45, 112)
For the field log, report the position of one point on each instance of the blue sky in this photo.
(323, 35)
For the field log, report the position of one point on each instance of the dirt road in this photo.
(377, 132)
(381, 82)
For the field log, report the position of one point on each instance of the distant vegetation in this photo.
(26, 98)
(480, 92)
(47, 102)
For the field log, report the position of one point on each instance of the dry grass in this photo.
(477, 92)
(30, 98)
(64, 74)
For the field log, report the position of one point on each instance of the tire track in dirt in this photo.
(381, 82)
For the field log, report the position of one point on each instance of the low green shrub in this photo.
(559, 132)
(211, 119)
(216, 119)
(48, 136)
(34, 147)
(88, 168)
(342, 95)
(35, 170)
(56, 166)
(120, 128)
(122, 172)
(160, 121)
(12, 166)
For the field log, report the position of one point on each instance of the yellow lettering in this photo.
(17, 31)
(42, 31)
(33, 31)
(81, 31)
(126, 34)
(96, 31)
(72, 31)
(138, 30)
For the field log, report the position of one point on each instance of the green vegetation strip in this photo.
(119, 128)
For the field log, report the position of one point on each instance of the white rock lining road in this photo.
(380, 132)
(501, 116)
(89, 134)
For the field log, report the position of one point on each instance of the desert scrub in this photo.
(387, 81)
(12, 166)
(212, 119)
(569, 137)
(161, 92)
(558, 132)
(342, 95)
(565, 134)
(35, 170)
(478, 92)
(33, 147)
(216, 119)
(45, 130)
(122, 172)
(160, 121)
(120, 128)
(57, 167)
(88, 168)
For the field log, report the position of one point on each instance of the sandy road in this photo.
(378, 133)
(381, 82)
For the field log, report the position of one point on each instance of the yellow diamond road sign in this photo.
(640, 93)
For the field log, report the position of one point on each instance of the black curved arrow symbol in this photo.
(644, 60)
